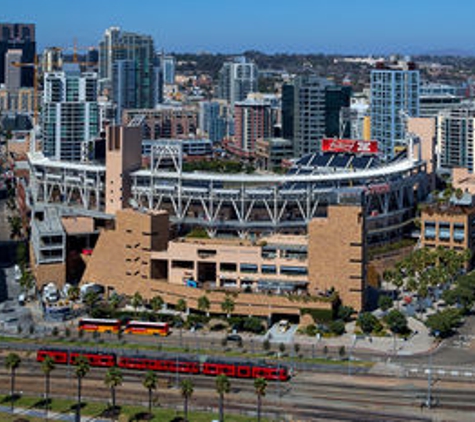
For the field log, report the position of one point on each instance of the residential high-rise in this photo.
(213, 120)
(13, 72)
(455, 138)
(139, 51)
(253, 121)
(237, 79)
(70, 113)
(394, 97)
(168, 65)
(311, 108)
(18, 36)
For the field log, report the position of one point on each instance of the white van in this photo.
(284, 325)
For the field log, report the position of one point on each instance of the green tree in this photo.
(443, 323)
(12, 363)
(47, 366)
(114, 301)
(81, 370)
(112, 380)
(281, 347)
(368, 322)
(385, 302)
(15, 227)
(228, 305)
(137, 302)
(223, 386)
(150, 382)
(187, 389)
(181, 305)
(156, 303)
(27, 281)
(345, 313)
(204, 304)
(260, 385)
(396, 321)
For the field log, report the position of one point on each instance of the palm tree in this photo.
(47, 366)
(150, 382)
(12, 362)
(156, 303)
(113, 380)
(90, 299)
(228, 305)
(137, 301)
(181, 305)
(260, 385)
(204, 304)
(82, 368)
(223, 387)
(187, 389)
(74, 293)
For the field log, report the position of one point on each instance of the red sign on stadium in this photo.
(354, 146)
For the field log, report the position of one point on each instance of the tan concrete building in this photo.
(449, 226)
(279, 274)
(123, 155)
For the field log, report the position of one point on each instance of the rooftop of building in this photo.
(49, 221)
(272, 240)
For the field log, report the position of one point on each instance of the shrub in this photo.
(254, 325)
(311, 330)
(55, 331)
(337, 327)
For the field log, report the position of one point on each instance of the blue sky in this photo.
(233, 26)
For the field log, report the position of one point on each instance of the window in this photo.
(228, 267)
(444, 231)
(189, 265)
(248, 268)
(269, 269)
(287, 270)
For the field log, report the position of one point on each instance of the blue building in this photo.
(394, 96)
(213, 120)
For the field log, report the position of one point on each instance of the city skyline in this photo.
(339, 27)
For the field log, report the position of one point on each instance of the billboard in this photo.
(355, 146)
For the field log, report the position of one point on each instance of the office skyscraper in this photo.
(18, 36)
(139, 51)
(124, 79)
(237, 79)
(394, 97)
(70, 113)
(311, 111)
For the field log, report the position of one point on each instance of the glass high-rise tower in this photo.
(394, 97)
(70, 113)
(139, 53)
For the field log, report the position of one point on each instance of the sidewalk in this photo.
(419, 342)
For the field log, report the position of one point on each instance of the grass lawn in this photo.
(127, 413)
